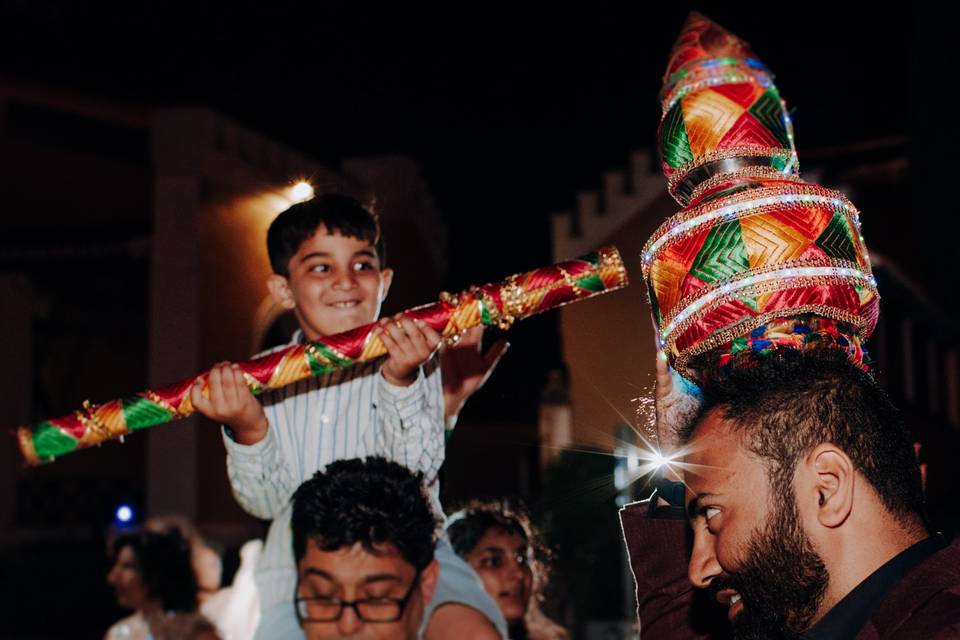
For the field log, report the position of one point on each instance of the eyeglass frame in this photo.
(353, 604)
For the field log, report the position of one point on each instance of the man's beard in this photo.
(781, 581)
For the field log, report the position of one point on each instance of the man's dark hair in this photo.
(338, 214)
(790, 402)
(165, 565)
(371, 501)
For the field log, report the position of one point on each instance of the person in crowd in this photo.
(499, 542)
(152, 574)
(233, 608)
(364, 538)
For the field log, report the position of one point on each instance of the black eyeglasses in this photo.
(327, 609)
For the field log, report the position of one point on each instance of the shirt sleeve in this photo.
(261, 482)
(667, 605)
(410, 426)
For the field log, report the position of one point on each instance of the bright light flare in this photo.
(301, 191)
(123, 514)
(644, 460)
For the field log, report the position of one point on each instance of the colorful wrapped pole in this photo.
(499, 304)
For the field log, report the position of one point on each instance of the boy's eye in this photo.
(362, 266)
(491, 562)
(320, 268)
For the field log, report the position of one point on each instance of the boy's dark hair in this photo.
(790, 402)
(371, 501)
(165, 566)
(335, 212)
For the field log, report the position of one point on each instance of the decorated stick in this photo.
(499, 304)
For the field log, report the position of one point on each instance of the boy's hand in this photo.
(664, 402)
(229, 401)
(464, 368)
(410, 343)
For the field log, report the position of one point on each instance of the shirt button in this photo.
(325, 419)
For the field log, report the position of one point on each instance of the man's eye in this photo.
(709, 512)
(377, 598)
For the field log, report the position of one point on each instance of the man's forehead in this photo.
(355, 564)
(714, 435)
(715, 455)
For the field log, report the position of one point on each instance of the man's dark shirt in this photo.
(853, 611)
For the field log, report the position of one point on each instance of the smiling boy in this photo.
(328, 261)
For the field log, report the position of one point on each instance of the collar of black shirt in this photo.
(849, 615)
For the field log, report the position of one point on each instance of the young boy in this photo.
(327, 257)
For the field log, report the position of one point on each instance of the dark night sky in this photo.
(510, 110)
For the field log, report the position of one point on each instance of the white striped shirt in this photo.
(346, 414)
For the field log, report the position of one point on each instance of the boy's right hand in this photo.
(230, 401)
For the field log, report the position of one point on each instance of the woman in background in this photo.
(499, 542)
(153, 575)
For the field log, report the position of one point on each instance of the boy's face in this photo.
(335, 284)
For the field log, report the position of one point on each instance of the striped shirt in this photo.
(346, 414)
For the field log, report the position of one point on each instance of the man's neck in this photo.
(853, 558)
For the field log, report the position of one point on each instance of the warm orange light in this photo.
(301, 191)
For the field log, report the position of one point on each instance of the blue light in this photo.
(124, 514)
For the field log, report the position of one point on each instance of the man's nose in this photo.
(704, 566)
(349, 623)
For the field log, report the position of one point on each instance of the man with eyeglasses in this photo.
(363, 537)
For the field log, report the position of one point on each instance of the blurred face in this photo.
(208, 569)
(335, 284)
(125, 579)
(375, 582)
(502, 560)
(750, 548)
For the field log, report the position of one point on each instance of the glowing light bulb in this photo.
(124, 514)
(301, 191)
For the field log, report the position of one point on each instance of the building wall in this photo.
(608, 343)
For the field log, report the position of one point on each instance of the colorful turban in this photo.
(758, 259)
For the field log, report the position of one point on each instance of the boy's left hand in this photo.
(465, 368)
(410, 343)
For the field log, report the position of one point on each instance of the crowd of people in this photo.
(792, 473)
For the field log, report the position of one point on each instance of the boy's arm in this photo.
(261, 481)
(411, 426)
(410, 398)
(465, 369)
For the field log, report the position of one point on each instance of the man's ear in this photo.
(833, 477)
(386, 279)
(428, 580)
(280, 291)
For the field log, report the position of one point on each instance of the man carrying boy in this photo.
(363, 537)
(327, 257)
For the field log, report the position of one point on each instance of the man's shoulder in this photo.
(925, 603)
